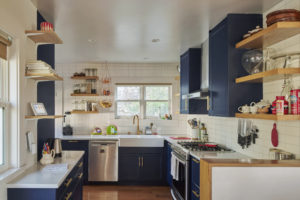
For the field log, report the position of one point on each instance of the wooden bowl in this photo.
(283, 15)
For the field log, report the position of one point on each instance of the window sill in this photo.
(11, 173)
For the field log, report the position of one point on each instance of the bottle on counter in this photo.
(203, 133)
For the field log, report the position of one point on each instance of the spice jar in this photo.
(282, 106)
(83, 88)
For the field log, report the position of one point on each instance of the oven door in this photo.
(180, 186)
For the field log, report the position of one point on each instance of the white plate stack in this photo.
(38, 67)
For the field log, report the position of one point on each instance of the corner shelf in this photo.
(85, 77)
(268, 117)
(43, 116)
(43, 77)
(84, 95)
(275, 74)
(43, 37)
(84, 112)
(270, 35)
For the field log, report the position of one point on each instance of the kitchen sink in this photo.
(141, 141)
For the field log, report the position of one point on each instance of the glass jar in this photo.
(76, 88)
(83, 88)
(94, 90)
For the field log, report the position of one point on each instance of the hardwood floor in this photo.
(126, 193)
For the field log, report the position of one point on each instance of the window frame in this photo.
(142, 100)
(4, 81)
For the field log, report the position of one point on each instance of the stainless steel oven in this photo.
(180, 185)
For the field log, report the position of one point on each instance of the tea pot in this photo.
(244, 109)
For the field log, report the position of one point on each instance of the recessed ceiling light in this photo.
(91, 41)
(155, 40)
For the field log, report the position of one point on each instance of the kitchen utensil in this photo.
(57, 147)
(252, 61)
(274, 136)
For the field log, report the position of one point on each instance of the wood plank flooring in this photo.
(126, 193)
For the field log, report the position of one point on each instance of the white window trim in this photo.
(143, 100)
(4, 104)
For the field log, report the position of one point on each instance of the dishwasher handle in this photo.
(103, 143)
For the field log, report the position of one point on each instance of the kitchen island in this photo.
(38, 183)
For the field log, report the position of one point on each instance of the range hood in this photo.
(204, 92)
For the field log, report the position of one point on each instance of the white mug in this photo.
(244, 109)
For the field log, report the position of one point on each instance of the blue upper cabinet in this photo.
(190, 81)
(225, 65)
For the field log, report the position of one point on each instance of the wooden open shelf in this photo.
(268, 117)
(271, 35)
(43, 117)
(275, 74)
(44, 77)
(85, 77)
(84, 95)
(44, 37)
(84, 112)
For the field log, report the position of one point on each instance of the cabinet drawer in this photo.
(195, 192)
(195, 171)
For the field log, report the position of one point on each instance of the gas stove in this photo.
(201, 146)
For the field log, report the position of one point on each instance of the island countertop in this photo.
(36, 177)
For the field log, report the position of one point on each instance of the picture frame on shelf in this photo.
(38, 109)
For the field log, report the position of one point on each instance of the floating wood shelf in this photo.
(271, 35)
(43, 77)
(269, 117)
(44, 37)
(43, 117)
(275, 74)
(85, 77)
(84, 95)
(84, 112)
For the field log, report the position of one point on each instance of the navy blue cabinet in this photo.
(168, 152)
(71, 188)
(141, 165)
(79, 145)
(225, 65)
(190, 81)
(194, 178)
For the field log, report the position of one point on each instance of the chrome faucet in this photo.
(138, 132)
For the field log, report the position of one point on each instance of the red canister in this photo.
(295, 102)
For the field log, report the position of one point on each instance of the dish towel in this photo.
(174, 167)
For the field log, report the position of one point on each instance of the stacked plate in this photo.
(286, 15)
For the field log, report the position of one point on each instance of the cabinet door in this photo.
(168, 165)
(151, 167)
(79, 145)
(129, 167)
(184, 83)
(218, 70)
(195, 171)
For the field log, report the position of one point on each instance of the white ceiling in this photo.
(122, 30)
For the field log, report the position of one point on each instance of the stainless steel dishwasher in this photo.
(103, 160)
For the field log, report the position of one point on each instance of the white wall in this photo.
(120, 73)
(16, 17)
(224, 130)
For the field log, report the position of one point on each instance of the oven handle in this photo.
(179, 159)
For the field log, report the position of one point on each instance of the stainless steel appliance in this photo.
(103, 160)
(180, 187)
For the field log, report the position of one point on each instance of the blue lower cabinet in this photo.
(168, 152)
(141, 165)
(79, 145)
(70, 189)
(194, 178)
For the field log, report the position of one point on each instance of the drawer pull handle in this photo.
(80, 176)
(69, 182)
(139, 161)
(196, 161)
(196, 194)
(142, 161)
(68, 196)
(73, 141)
(80, 165)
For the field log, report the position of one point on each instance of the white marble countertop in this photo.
(106, 137)
(35, 177)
